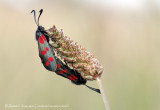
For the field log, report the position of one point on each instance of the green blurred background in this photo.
(123, 35)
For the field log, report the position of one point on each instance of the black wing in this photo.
(71, 74)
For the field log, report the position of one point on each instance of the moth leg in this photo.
(65, 62)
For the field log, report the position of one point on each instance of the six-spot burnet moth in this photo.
(51, 62)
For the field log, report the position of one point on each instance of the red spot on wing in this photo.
(43, 52)
(74, 76)
(58, 66)
(50, 59)
(47, 48)
(60, 72)
(71, 78)
(47, 63)
(43, 37)
(65, 71)
(41, 40)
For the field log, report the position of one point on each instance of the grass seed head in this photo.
(81, 60)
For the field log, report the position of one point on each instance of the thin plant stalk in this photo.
(105, 99)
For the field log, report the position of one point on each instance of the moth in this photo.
(51, 62)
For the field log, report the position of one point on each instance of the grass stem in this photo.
(105, 99)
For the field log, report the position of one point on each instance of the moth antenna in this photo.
(96, 90)
(33, 11)
(40, 12)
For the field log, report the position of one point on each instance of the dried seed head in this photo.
(84, 62)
